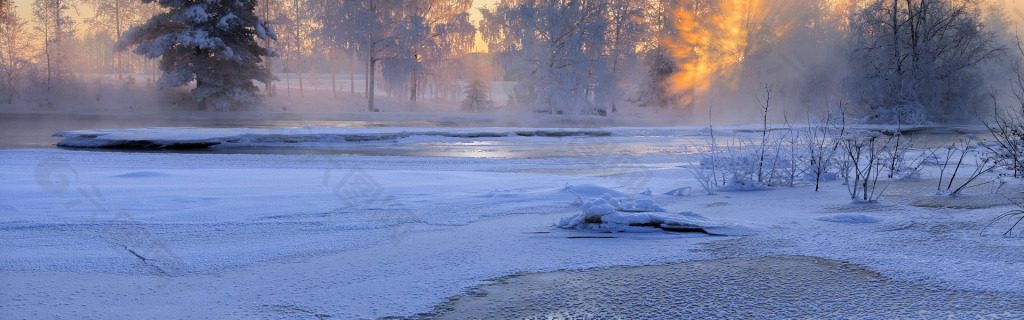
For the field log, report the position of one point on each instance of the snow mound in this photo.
(606, 214)
(591, 191)
(849, 218)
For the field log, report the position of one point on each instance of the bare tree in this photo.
(12, 46)
(117, 16)
(56, 28)
(919, 60)
(429, 35)
(371, 25)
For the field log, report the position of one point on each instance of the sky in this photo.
(474, 16)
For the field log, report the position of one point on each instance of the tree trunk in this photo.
(412, 88)
(49, 72)
(117, 21)
(370, 84)
(352, 73)
(334, 86)
(302, 94)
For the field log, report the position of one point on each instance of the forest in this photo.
(889, 61)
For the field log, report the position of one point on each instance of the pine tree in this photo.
(476, 96)
(214, 42)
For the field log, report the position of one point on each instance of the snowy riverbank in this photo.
(201, 235)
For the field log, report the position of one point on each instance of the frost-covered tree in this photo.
(293, 25)
(430, 34)
(556, 51)
(477, 96)
(920, 60)
(271, 12)
(213, 42)
(333, 34)
(629, 31)
(117, 16)
(406, 41)
(56, 29)
(12, 48)
(712, 41)
(370, 26)
(654, 90)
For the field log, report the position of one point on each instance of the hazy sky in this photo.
(474, 15)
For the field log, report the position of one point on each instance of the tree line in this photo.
(897, 60)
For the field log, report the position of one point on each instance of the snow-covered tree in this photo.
(293, 25)
(335, 35)
(628, 37)
(407, 41)
(12, 50)
(56, 29)
(556, 51)
(431, 33)
(370, 26)
(117, 16)
(213, 42)
(270, 11)
(920, 60)
(654, 90)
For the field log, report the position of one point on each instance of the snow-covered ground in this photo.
(194, 234)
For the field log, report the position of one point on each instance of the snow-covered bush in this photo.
(1015, 217)
(983, 164)
(1007, 129)
(900, 165)
(744, 165)
(820, 143)
(863, 163)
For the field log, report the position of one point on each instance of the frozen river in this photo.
(37, 131)
(278, 222)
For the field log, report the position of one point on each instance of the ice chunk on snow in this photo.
(849, 218)
(641, 205)
(607, 215)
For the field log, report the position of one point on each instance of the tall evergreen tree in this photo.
(214, 42)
